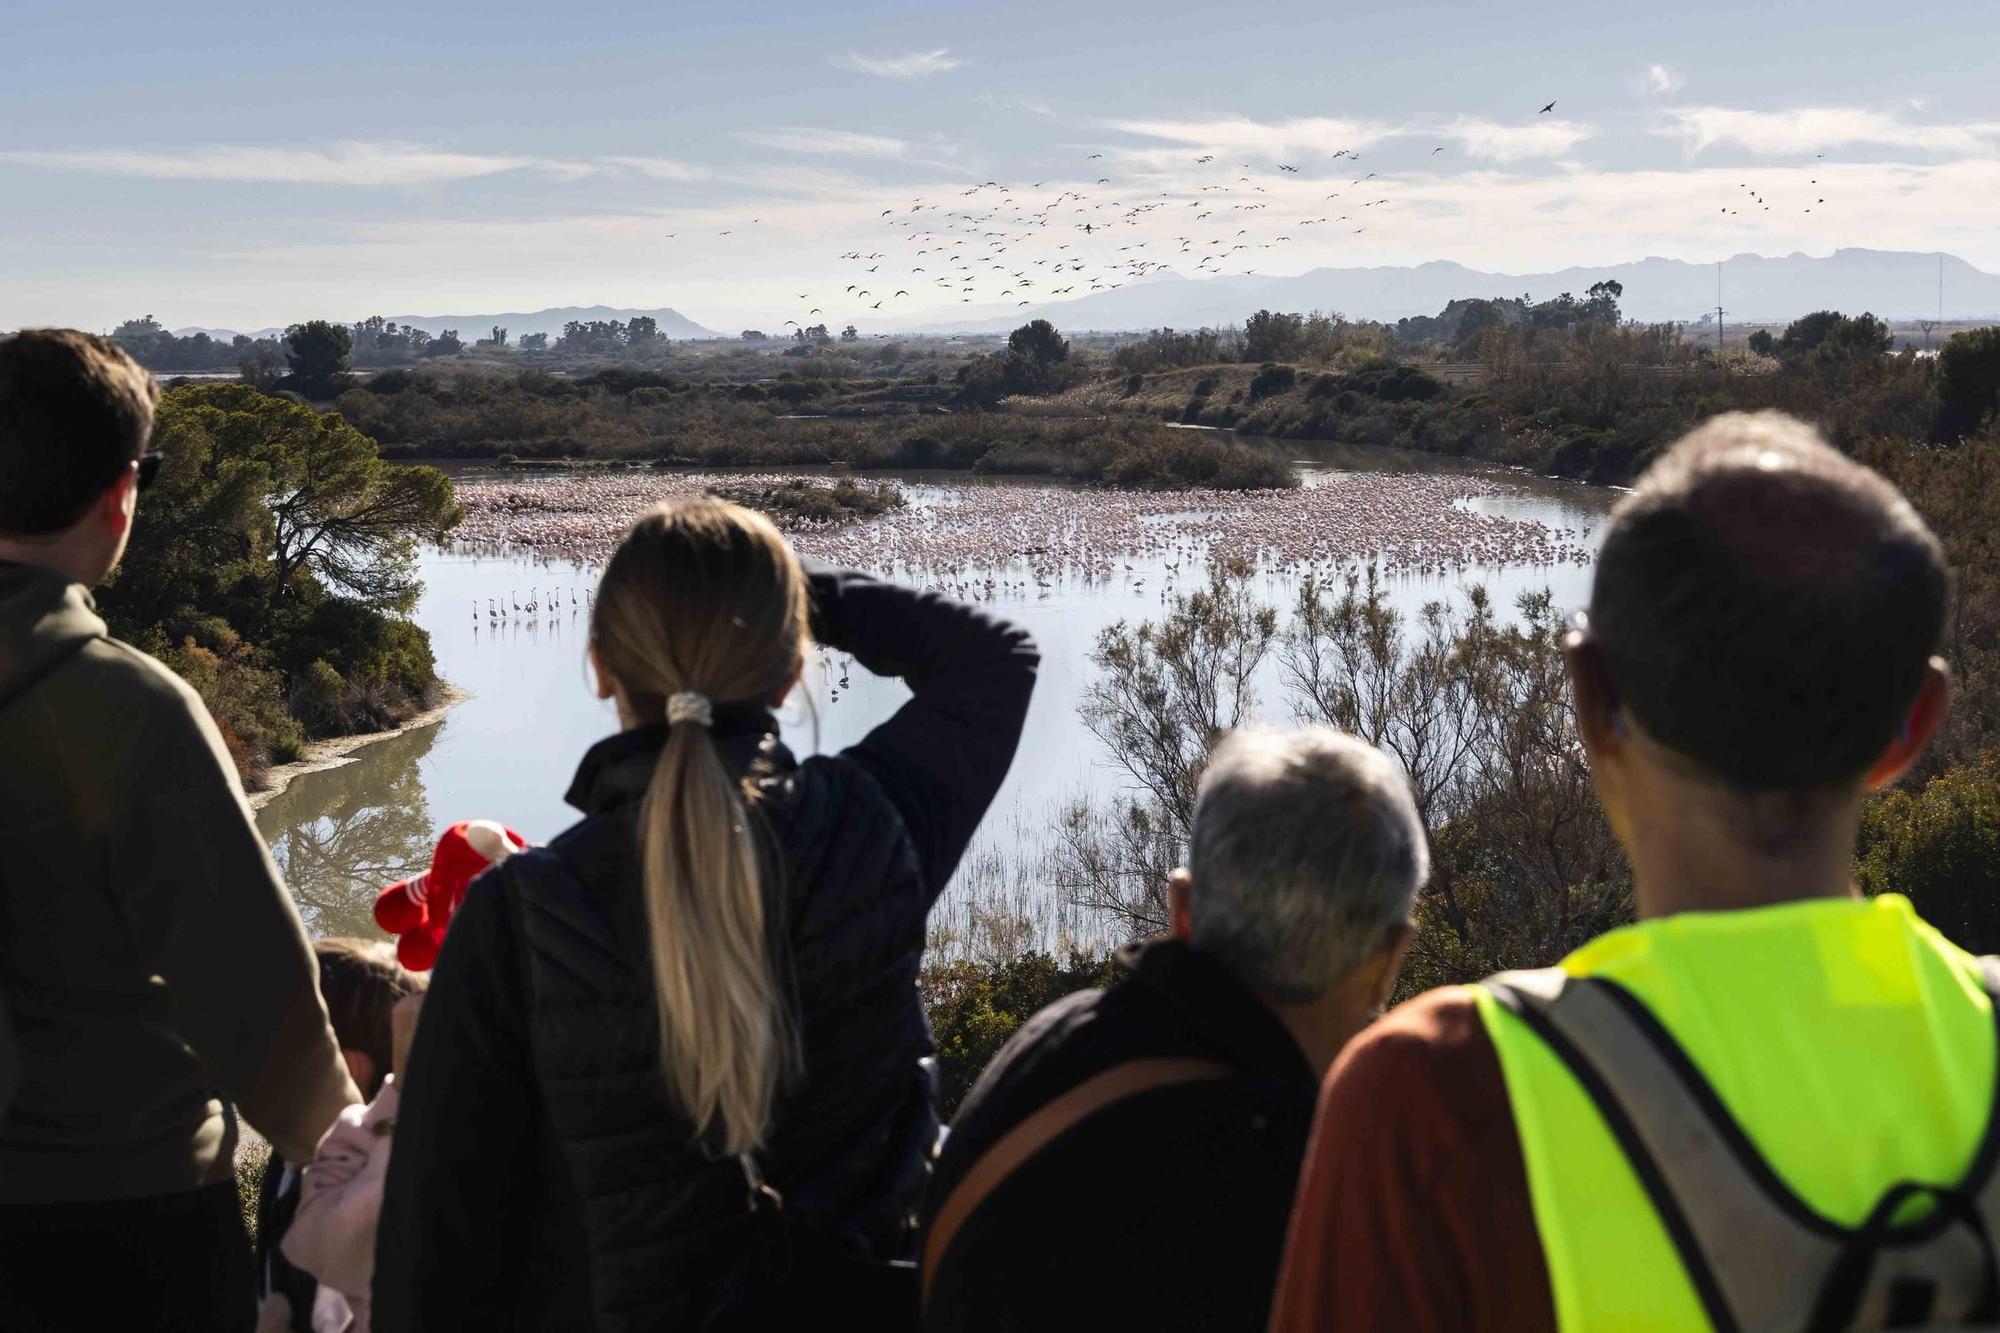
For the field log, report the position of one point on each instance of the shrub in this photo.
(976, 1006)
(1940, 846)
(1272, 379)
(1395, 384)
(243, 693)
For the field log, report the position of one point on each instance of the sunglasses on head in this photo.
(149, 467)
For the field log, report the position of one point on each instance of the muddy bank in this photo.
(322, 755)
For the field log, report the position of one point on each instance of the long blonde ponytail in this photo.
(705, 600)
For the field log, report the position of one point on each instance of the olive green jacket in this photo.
(153, 965)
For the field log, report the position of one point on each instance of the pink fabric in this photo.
(333, 1235)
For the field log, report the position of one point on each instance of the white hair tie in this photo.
(687, 706)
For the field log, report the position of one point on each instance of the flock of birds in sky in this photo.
(1001, 244)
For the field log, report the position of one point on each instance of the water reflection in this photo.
(344, 834)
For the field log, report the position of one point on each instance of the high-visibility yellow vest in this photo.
(1852, 1043)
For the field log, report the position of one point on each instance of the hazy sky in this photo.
(243, 165)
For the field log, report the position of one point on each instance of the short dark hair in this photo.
(75, 410)
(360, 980)
(1767, 607)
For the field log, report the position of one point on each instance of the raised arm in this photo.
(941, 758)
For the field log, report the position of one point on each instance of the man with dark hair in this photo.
(155, 969)
(1769, 1103)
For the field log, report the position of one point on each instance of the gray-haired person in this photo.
(1129, 1158)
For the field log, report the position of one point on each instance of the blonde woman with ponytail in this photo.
(673, 1072)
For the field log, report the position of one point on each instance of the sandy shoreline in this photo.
(322, 755)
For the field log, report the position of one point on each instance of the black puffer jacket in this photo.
(541, 1177)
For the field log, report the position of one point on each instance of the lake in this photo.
(1063, 561)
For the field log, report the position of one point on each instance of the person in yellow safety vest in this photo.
(1768, 1104)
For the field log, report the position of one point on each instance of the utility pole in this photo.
(1718, 307)
(1928, 324)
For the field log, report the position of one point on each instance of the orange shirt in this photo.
(1413, 1211)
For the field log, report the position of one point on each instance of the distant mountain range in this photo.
(1893, 284)
(672, 323)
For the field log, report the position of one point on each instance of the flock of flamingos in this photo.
(1001, 541)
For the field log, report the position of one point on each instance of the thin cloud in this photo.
(826, 143)
(1316, 134)
(1494, 141)
(658, 168)
(914, 65)
(1032, 107)
(1661, 80)
(1802, 129)
(1318, 138)
(350, 163)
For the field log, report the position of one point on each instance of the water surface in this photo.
(509, 751)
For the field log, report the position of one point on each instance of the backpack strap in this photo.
(1019, 1144)
(1757, 1254)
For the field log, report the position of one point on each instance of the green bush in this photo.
(1940, 846)
(244, 694)
(975, 1006)
(1272, 378)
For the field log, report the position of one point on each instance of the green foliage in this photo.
(380, 342)
(1036, 362)
(610, 337)
(319, 354)
(1565, 388)
(152, 346)
(975, 1006)
(1165, 349)
(273, 547)
(244, 695)
(1940, 845)
(1037, 344)
(1957, 490)
(1140, 456)
(1968, 381)
(1272, 378)
(629, 413)
(1835, 335)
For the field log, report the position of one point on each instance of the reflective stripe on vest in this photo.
(1851, 1043)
